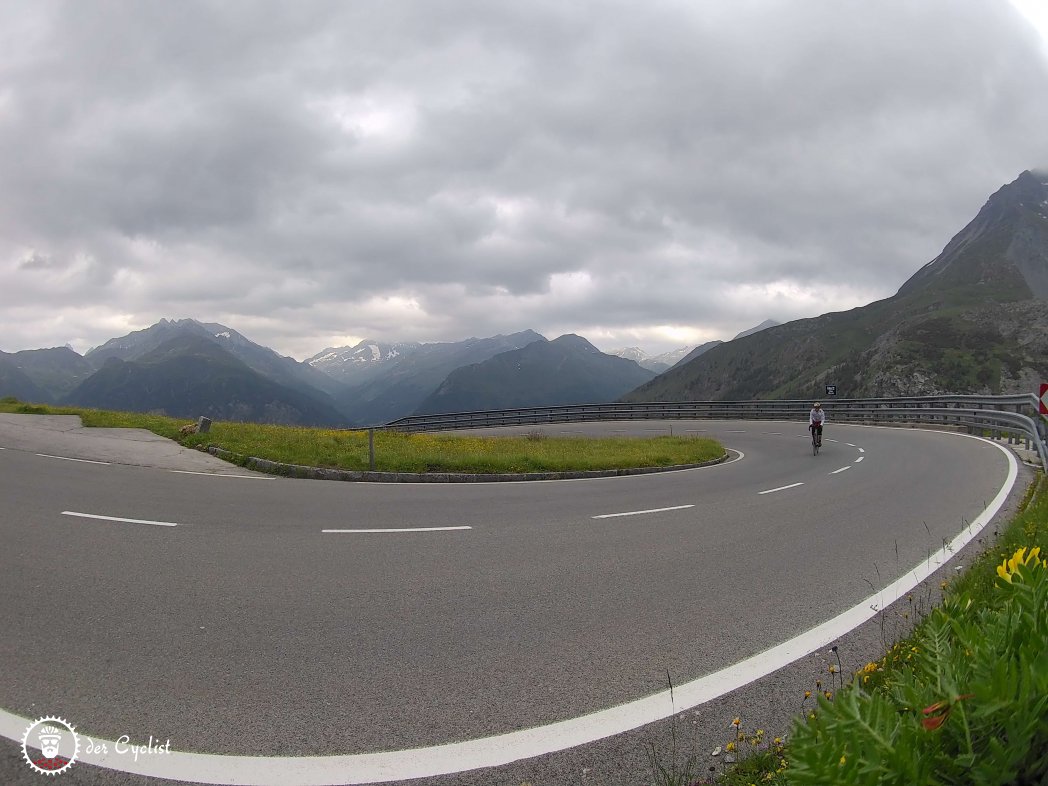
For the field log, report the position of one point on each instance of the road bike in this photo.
(816, 440)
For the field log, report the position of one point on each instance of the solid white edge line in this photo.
(641, 512)
(404, 529)
(221, 475)
(67, 458)
(838, 471)
(503, 749)
(114, 518)
(781, 488)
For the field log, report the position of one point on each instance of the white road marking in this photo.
(115, 518)
(641, 512)
(838, 471)
(850, 445)
(860, 458)
(451, 758)
(861, 450)
(404, 529)
(735, 431)
(66, 458)
(220, 475)
(781, 488)
(773, 433)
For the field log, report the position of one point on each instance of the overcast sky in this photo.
(652, 174)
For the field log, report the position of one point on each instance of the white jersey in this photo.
(816, 417)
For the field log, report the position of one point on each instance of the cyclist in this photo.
(815, 420)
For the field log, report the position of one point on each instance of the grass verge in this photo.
(396, 452)
(962, 700)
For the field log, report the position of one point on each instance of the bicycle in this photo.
(816, 440)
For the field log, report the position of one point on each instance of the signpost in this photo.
(1043, 395)
(831, 390)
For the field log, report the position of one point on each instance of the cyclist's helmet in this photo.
(817, 405)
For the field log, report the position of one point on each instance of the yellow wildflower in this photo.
(1008, 568)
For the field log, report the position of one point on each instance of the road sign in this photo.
(1044, 398)
(831, 390)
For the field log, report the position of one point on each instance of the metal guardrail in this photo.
(996, 416)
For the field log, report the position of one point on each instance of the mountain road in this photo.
(321, 629)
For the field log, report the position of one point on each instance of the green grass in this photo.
(396, 452)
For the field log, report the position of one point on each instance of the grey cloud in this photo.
(294, 166)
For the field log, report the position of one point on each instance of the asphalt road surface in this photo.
(149, 591)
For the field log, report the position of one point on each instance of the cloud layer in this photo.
(651, 174)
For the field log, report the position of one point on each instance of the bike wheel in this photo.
(814, 446)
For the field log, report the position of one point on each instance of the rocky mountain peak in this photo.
(1004, 249)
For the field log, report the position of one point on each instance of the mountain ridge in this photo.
(937, 334)
(189, 375)
(566, 370)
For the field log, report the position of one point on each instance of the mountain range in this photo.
(973, 320)
(567, 370)
(187, 368)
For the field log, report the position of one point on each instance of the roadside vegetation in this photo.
(397, 452)
(963, 699)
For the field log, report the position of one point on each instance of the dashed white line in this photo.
(781, 488)
(641, 512)
(838, 471)
(67, 458)
(115, 518)
(403, 529)
(861, 450)
(221, 475)
(860, 458)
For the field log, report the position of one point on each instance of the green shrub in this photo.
(972, 709)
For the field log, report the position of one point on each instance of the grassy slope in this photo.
(396, 452)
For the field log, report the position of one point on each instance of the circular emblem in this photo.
(57, 741)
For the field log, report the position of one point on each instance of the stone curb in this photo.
(321, 473)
